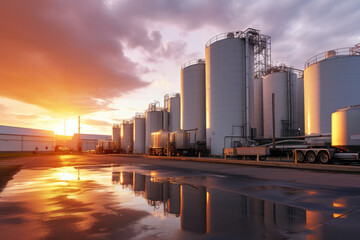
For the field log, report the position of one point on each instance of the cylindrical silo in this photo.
(193, 99)
(165, 121)
(258, 107)
(139, 134)
(173, 107)
(300, 106)
(127, 136)
(345, 129)
(116, 135)
(282, 82)
(154, 123)
(331, 81)
(229, 76)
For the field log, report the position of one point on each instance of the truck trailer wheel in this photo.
(324, 157)
(311, 157)
(300, 157)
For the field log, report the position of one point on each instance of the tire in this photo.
(324, 157)
(300, 157)
(311, 157)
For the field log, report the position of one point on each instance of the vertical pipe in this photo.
(247, 98)
(273, 120)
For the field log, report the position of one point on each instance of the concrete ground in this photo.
(83, 196)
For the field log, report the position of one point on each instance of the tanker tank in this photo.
(345, 129)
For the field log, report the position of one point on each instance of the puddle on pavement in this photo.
(131, 202)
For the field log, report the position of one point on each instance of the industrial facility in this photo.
(235, 99)
(236, 103)
(16, 139)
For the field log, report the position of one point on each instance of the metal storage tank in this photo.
(282, 82)
(154, 123)
(159, 139)
(300, 105)
(331, 81)
(127, 136)
(116, 135)
(226, 78)
(172, 104)
(345, 129)
(193, 99)
(180, 139)
(139, 134)
(165, 120)
(258, 107)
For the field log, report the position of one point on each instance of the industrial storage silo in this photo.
(300, 105)
(282, 81)
(116, 135)
(139, 134)
(258, 107)
(172, 104)
(345, 129)
(127, 136)
(193, 99)
(331, 81)
(154, 123)
(229, 89)
(165, 120)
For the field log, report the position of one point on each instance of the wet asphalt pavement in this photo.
(112, 197)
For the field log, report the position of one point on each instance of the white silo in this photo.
(300, 105)
(331, 82)
(229, 89)
(193, 99)
(172, 104)
(127, 136)
(282, 81)
(258, 107)
(139, 134)
(154, 123)
(116, 135)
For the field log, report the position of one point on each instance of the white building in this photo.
(16, 139)
(88, 141)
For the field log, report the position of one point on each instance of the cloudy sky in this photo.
(106, 60)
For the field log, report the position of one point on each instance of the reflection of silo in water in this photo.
(193, 208)
(289, 218)
(256, 212)
(174, 198)
(225, 211)
(115, 177)
(126, 178)
(154, 190)
(138, 182)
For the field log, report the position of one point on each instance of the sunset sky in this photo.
(106, 60)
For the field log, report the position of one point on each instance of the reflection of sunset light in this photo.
(338, 204)
(65, 176)
(153, 176)
(311, 192)
(121, 177)
(339, 215)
